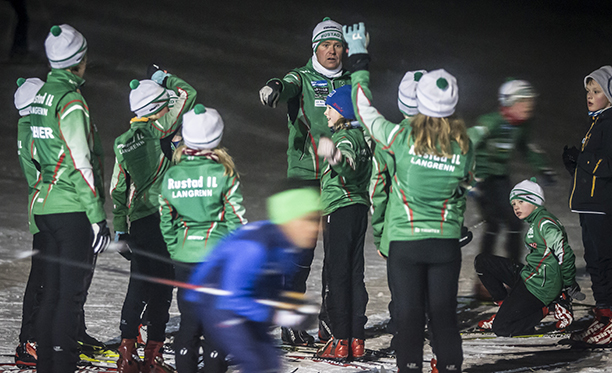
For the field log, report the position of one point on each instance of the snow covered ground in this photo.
(228, 50)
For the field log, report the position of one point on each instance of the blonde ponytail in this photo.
(434, 135)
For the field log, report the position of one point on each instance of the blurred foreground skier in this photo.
(249, 266)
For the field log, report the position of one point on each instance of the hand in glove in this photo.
(270, 93)
(574, 292)
(570, 158)
(157, 74)
(357, 38)
(124, 250)
(466, 236)
(328, 150)
(101, 237)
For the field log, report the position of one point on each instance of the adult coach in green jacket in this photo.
(305, 90)
(70, 205)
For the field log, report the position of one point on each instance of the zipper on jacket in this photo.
(593, 187)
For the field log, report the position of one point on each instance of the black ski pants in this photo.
(343, 270)
(68, 259)
(597, 241)
(520, 311)
(33, 292)
(149, 258)
(424, 278)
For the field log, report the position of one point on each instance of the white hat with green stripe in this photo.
(24, 95)
(147, 97)
(529, 191)
(65, 47)
(326, 30)
(406, 95)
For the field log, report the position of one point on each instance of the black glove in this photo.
(574, 292)
(270, 93)
(466, 236)
(125, 250)
(549, 177)
(570, 158)
(101, 237)
(157, 74)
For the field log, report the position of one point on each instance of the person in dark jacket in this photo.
(591, 197)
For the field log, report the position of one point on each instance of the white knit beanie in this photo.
(24, 95)
(514, 90)
(147, 97)
(603, 76)
(437, 94)
(528, 190)
(65, 47)
(202, 128)
(406, 95)
(326, 30)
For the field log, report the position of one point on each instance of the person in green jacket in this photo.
(496, 136)
(70, 205)
(546, 283)
(344, 196)
(25, 354)
(136, 184)
(305, 90)
(433, 168)
(201, 203)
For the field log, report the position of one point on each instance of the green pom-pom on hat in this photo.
(199, 109)
(417, 76)
(20, 82)
(533, 179)
(442, 83)
(56, 30)
(134, 84)
(326, 19)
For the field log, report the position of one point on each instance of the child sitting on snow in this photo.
(546, 282)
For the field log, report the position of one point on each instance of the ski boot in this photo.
(597, 328)
(25, 355)
(562, 311)
(357, 348)
(88, 344)
(337, 349)
(487, 324)
(296, 337)
(324, 331)
(129, 361)
(434, 365)
(154, 359)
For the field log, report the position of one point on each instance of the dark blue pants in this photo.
(248, 342)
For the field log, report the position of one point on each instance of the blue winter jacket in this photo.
(250, 264)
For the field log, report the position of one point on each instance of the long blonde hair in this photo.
(224, 158)
(434, 135)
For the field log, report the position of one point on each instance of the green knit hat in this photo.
(293, 203)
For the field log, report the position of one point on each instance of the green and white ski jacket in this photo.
(199, 206)
(69, 149)
(140, 163)
(346, 183)
(495, 140)
(551, 262)
(305, 91)
(428, 192)
(27, 154)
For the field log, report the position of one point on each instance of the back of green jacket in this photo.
(140, 163)
(69, 149)
(199, 206)
(305, 91)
